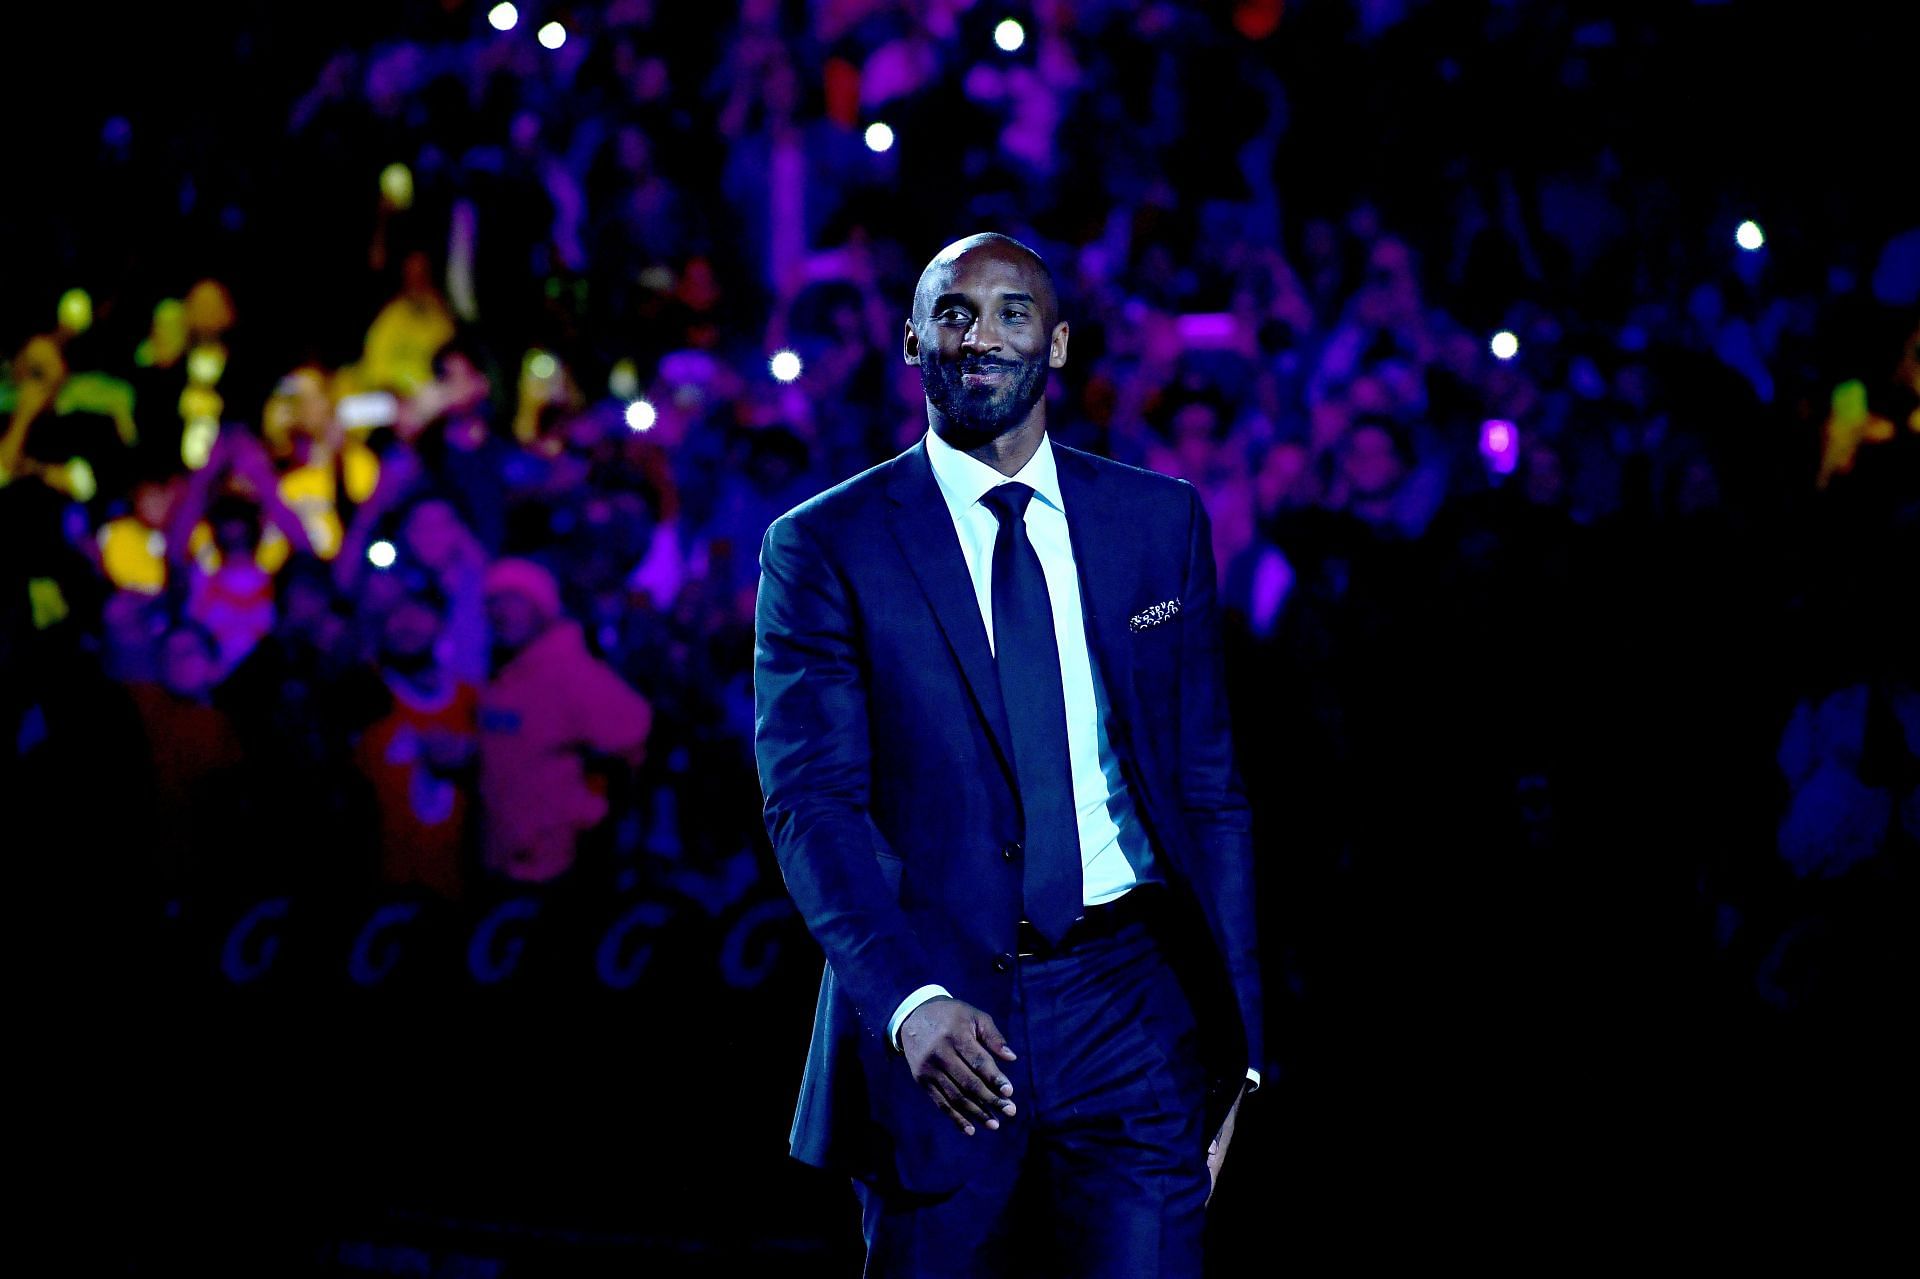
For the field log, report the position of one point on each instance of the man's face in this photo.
(1372, 464)
(433, 533)
(514, 619)
(1280, 475)
(984, 337)
(411, 629)
(1194, 424)
(236, 537)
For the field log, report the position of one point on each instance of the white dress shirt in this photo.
(1113, 847)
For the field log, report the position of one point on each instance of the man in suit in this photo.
(993, 740)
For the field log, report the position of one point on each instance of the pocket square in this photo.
(1153, 615)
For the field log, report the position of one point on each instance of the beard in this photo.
(976, 414)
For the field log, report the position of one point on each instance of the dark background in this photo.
(1547, 970)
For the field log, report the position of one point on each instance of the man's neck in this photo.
(1006, 452)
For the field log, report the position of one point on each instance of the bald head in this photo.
(986, 244)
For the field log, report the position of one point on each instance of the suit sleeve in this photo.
(1213, 800)
(814, 758)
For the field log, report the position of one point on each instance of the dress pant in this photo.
(1103, 1170)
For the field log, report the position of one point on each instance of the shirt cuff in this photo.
(1253, 1080)
(910, 1003)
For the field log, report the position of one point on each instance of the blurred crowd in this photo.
(412, 549)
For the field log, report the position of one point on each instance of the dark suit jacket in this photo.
(886, 765)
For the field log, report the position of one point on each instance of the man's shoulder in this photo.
(1148, 494)
(1122, 472)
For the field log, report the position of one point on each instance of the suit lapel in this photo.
(1108, 575)
(924, 529)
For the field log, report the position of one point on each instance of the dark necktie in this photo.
(1028, 660)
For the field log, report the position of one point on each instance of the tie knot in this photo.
(1008, 502)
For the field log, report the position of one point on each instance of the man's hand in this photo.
(1217, 1152)
(951, 1047)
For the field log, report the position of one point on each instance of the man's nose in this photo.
(979, 338)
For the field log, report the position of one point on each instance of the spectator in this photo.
(132, 547)
(324, 469)
(401, 342)
(449, 425)
(420, 755)
(432, 536)
(548, 709)
(1370, 471)
(226, 587)
(302, 692)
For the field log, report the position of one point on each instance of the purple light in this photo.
(1208, 329)
(1499, 445)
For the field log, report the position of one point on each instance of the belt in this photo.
(1137, 904)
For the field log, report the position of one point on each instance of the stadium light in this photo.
(381, 554)
(1750, 237)
(785, 365)
(1504, 345)
(641, 416)
(553, 35)
(1009, 35)
(503, 17)
(879, 137)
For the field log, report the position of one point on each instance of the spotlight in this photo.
(785, 365)
(879, 137)
(1750, 237)
(1504, 345)
(542, 365)
(1009, 35)
(381, 554)
(553, 35)
(640, 416)
(503, 17)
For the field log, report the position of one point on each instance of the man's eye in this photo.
(951, 316)
(1013, 315)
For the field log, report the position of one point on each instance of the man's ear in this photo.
(911, 346)
(1057, 348)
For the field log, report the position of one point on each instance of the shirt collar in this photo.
(964, 479)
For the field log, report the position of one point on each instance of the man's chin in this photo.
(965, 432)
(983, 411)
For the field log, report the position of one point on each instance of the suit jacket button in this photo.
(1003, 964)
(1011, 851)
